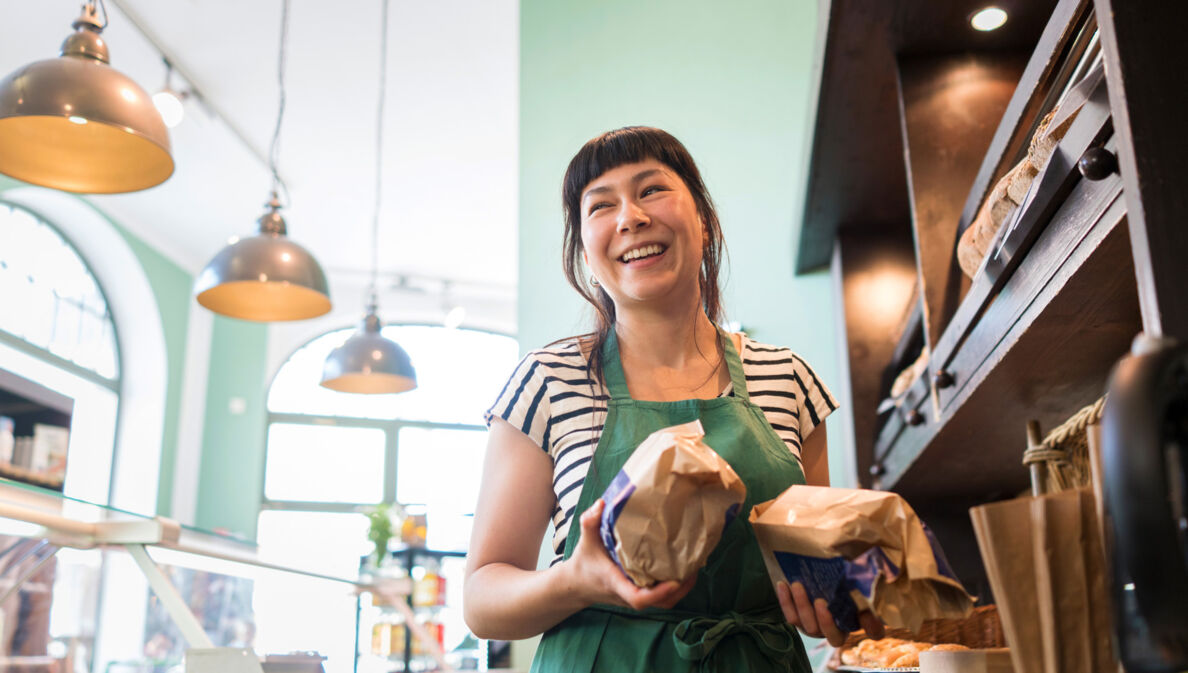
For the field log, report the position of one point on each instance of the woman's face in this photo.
(642, 236)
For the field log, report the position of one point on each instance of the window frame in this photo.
(390, 426)
(391, 429)
(49, 357)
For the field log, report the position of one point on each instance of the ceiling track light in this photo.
(168, 100)
(454, 317)
(368, 362)
(75, 123)
(454, 313)
(266, 277)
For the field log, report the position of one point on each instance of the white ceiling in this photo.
(450, 163)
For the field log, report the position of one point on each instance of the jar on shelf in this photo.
(428, 584)
(394, 578)
(431, 623)
(414, 529)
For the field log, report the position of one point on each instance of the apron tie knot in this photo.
(697, 638)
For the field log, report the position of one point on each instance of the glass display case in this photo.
(85, 587)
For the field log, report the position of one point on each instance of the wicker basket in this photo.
(982, 629)
(1063, 456)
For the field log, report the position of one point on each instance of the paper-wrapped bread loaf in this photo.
(1007, 195)
(859, 550)
(1011, 190)
(666, 509)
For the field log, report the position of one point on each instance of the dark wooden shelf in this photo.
(856, 169)
(916, 122)
(1054, 332)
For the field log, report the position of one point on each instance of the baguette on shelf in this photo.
(1011, 190)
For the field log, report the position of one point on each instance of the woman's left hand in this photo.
(814, 618)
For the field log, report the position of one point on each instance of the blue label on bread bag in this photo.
(823, 578)
(834, 578)
(614, 498)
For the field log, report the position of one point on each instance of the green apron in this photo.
(731, 620)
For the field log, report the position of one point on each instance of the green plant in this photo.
(380, 531)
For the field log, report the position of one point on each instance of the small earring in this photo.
(594, 281)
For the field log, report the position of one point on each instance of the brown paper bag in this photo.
(1044, 561)
(666, 509)
(858, 549)
(1004, 537)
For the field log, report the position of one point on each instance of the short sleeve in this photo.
(815, 402)
(523, 402)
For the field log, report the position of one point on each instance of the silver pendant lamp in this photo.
(367, 362)
(266, 277)
(75, 123)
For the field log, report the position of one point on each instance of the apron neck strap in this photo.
(734, 362)
(612, 368)
(616, 381)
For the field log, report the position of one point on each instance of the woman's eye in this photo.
(652, 190)
(597, 206)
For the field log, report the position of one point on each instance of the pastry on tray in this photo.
(891, 653)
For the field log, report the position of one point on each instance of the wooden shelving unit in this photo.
(918, 117)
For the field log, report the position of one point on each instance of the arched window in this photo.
(330, 454)
(59, 359)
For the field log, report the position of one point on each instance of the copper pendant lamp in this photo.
(75, 123)
(368, 362)
(266, 277)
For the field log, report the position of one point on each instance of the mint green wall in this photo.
(733, 82)
(231, 476)
(171, 289)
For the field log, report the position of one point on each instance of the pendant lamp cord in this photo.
(274, 147)
(379, 153)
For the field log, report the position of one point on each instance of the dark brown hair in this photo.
(608, 151)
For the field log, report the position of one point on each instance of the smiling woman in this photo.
(639, 222)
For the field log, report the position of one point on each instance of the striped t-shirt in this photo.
(551, 398)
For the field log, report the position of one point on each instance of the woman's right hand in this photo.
(598, 580)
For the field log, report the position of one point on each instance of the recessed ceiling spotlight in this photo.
(988, 19)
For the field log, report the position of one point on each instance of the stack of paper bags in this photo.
(1045, 563)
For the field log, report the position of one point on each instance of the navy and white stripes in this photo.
(553, 401)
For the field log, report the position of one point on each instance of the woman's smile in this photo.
(644, 255)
